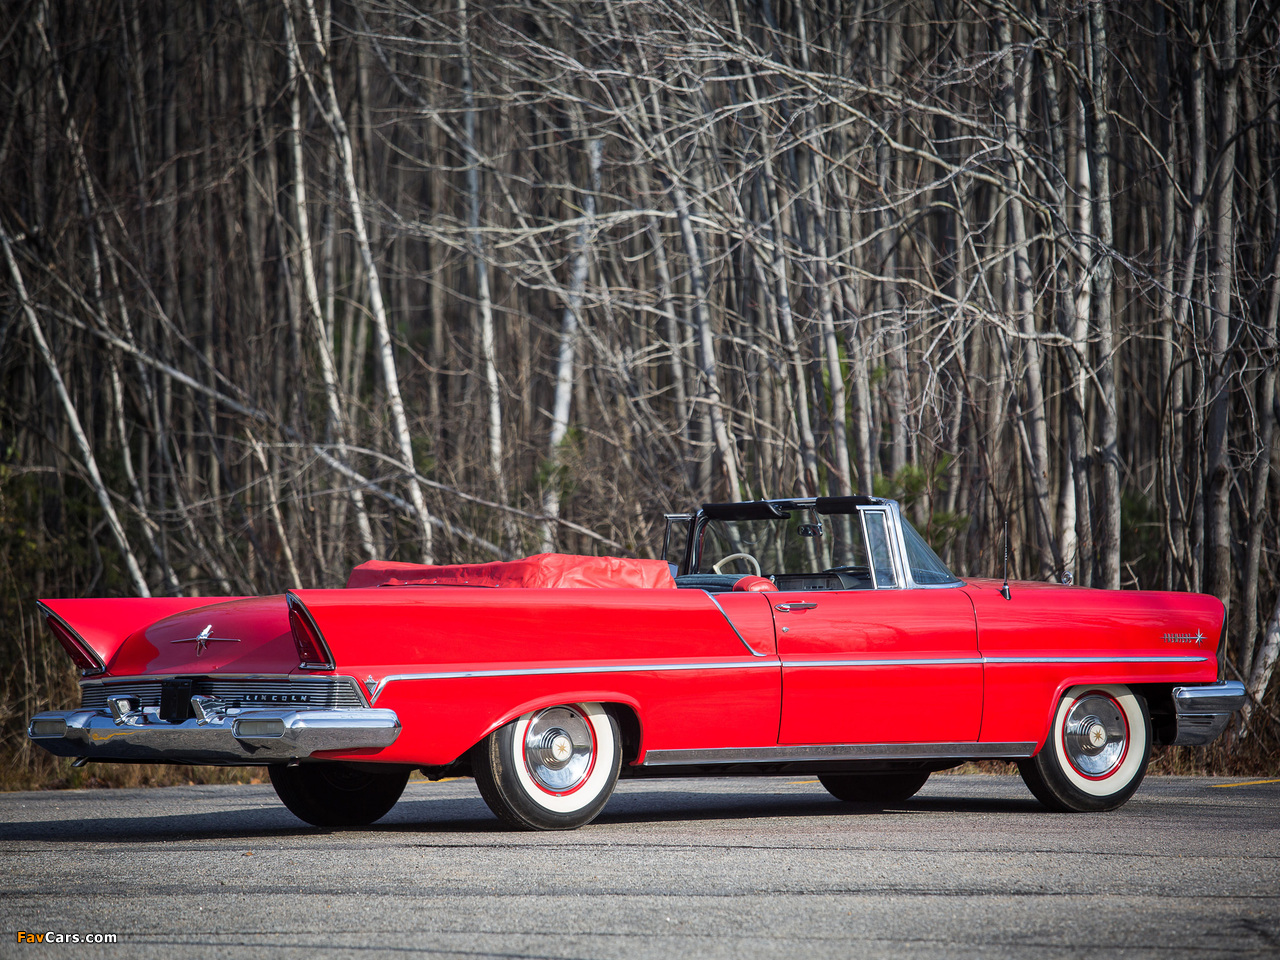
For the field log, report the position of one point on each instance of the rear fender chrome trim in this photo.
(949, 661)
(1102, 659)
(572, 670)
(840, 751)
(569, 670)
(886, 662)
(732, 626)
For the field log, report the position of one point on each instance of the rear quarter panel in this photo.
(455, 663)
(1048, 638)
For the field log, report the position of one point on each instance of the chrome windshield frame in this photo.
(890, 509)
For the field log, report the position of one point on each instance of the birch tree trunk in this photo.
(332, 112)
(320, 330)
(488, 338)
(706, 343)
(1218, 468)
(88, 460)
(569, 342)
(1103, 292)
(1034, 418)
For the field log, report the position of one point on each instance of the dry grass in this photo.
(95, 776)
(1255, 756)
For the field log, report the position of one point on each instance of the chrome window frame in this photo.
(897, 544)
(672, 519)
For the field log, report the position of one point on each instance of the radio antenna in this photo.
(1004, 590)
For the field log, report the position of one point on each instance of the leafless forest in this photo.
(288, 284)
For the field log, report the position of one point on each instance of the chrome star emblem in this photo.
(202, 640)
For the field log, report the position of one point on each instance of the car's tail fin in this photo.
(91, 631)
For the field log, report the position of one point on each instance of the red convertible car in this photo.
(804, 636)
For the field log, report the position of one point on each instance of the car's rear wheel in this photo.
(874, 787)
(1097, 751)
(551, 769)
(339, 794)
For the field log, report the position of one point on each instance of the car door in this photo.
(882, 665)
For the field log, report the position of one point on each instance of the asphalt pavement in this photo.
(971, 867)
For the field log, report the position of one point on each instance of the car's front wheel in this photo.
(551, 769)
(1097, 751)
(339, 794)
(874, 787)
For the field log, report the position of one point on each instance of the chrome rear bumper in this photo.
(1204, 711)
(248, 737)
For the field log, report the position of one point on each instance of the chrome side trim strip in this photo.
(1148, 659)
(839, 751)
(749, 664)
(568, 670)
(895, 662)
(946, 661)
(733, 626)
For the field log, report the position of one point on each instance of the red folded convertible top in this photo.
(541, 570)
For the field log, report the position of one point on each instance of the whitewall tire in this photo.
(1096, 753)
(551, 769)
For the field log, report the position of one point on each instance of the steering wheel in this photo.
(736, 556)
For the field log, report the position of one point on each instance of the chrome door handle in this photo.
(788, 607)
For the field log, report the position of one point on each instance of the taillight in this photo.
(84, 656)
(312, 650)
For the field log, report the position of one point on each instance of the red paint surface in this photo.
(889, 703)
(260, 624)
(444, 629)
(541, 570)
(1047, 620)
(105, 624)
(751, 700)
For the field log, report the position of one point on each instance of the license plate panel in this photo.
(175, 700)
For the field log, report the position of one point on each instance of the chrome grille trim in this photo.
(318, 693)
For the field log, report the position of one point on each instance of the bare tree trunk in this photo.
(333, 114)
(1264, 667)
(1265, 406)
(1170, 375)
(89, 462)
(1217, 465)
(320, 329)
(893, 314)
(273, 502)
(675, 339)
(488, 344)
(841, 484)
(1038, 441)
(569, 343)
(706, 343)
(1103, 290)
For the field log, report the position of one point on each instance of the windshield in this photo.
(806, 542)
(802, 543)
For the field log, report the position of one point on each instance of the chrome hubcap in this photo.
(1095, 735)
(558, 748)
